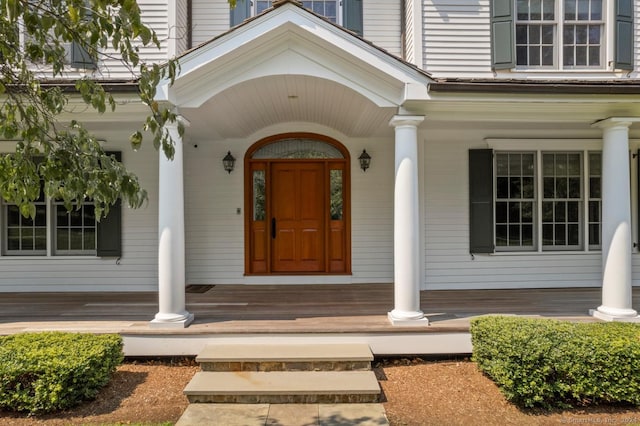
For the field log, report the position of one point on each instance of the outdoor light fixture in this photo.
(365, 160)
(229, 161)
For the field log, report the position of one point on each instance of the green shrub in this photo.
(43, 372)
(559, 364)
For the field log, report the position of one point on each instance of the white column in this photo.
(406, 224)
(171, 250)
(616, 223)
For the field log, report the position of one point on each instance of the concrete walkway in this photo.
(284, 415)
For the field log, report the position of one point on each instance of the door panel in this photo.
(297, 205)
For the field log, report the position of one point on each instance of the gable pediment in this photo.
(288, 40)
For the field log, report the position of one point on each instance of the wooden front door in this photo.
(297, 217)
(297, 206)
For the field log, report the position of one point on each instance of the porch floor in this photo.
(225, 311)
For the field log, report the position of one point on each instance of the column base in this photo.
(407, 319)
(615, 314)
(172, 320)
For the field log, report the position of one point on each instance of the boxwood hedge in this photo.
(549, 363)
(43, 372)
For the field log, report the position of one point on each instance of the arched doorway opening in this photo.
(297, 206)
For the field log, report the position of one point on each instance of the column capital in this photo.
(179, 120)
(406, 120)
(623, 122)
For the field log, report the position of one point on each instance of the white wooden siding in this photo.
(381, 24)
(137, 270)
(209, 19)
(457, 38)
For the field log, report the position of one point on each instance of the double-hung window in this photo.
(540, 199)
(542, 26)
(561, 34)
(535, 201)
(57, 232)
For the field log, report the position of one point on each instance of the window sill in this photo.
(546, 252)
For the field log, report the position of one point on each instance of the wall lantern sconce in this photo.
(229, 161)
(365, 160)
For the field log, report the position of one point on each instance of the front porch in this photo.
(290, 313)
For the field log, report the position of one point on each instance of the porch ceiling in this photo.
(246, 108)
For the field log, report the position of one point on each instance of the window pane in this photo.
(502, 187)
(502, 164)
(561, 188)
(501, 235)
(547, 55)
(594, 56)
(40, 238)
(259, 196)
(514, 235)
(75, 239)
(515, 187)
(62, 217)
(336, 194)
(574, 187)
(549, 187)
(548, 10)
(583, 10)
(13, 216)
(547, 234)
(581, 55)
(523, 10)
(548, 164)
(522, 34)
(528, 187)
(573, 234)
(560, 212)
(527, 212)
(62, 239)
(573, 214)
(560, 236)
(596, 10)
(89, 239)
(547, 212)
(581, 34)
(594, 234)
(569, 10)
(528, 165)
(514, 212)
(594, 34)
(89, 215)
(527, 235)
(26, 239)
(594, 211)
(501, 212)
(536, 10)
(535, 34)
(75, 217)
(13, 237)
(521, 55)
(594, 187)
(534, 55)
(41, 215)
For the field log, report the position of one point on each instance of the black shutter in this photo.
(624, 35)
(352, 16)
(238, 14)
(110, 228)
(481, 201)
(503, 47)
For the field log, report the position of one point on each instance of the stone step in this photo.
(279, 387)
(285, 357)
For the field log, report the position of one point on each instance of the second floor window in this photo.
(347, 13)
(559, 33)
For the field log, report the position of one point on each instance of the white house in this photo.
(503, 135)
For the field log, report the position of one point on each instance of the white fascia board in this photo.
(263, 34)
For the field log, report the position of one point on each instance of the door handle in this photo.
(273, 227)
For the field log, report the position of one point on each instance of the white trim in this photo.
(544, 144)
